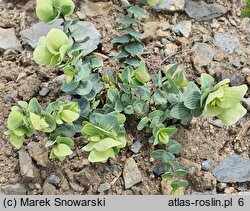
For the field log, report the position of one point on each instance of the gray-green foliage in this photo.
(131, 46)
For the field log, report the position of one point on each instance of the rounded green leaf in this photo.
(55, 39)
(38, 122)
(142, 123)
(15, 119)
(45, 10)
(62, 150)
(106, 144)
(66, 7)
(134, 48)
(69, 116)
(65, 140)
(96, 156)
(16, 141)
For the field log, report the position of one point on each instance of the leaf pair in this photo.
(49, 10)
(52, 49)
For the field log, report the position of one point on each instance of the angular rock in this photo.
(204, 53)
(10, 97)
(183, 28)
(39, 153)
(226, 43)
(103, 187)
(8, 40)
(170, 5)
(200, 10)
(93, 9)
(159, 170)
(206, 165)
(49, 189)
(17, 189)
(131, 173)
(233, 169)
(53, 179)
(37, 30)
(136, 147)
(26, 166)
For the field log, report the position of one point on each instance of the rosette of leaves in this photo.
(82, 81)
(64, 112)
(105, 135)
(225, 102)
(51, 50)
(173, 172)
(24, 120)
(154, 124)
(131, 93)
(131, 46)
(50, 10)
(246, 11)
(61, 147)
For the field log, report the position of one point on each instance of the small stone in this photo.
(39, 153)
(189, 164)
(206, 165)
(199, 10)
(170, 5)
(246, 70)
(31, 185)
(204, 53)
(246, 103)
(17, 189)
(233, 169)
(94, 9)
(21, 76)
(49, 189)
(26, 166)
(39, 29)
(44, 90)
(219, 57)
(136, 146)
(103, 187)
(8, 40)
(204, 182)
(242, 187)
(183, 28)
(221, 186)
(237, 80)
(226, 43)
(53, 179)
(248, 78)
(11, 96)
(221, 76)
(136, 190)
(217, 123)
(131, 173)
(159, 170)
(229, 190)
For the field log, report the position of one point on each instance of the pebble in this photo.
(8, 40)
(103, 187)
(131, 173)
(53, 179)
(229, 190)
(17, 189)
(170, 5)
(204, 53)
(221, 186)
(159, 170)
(217, 123)
(39, 29)
(246, 103)
(49, 189)
(200, 11)
(206, 165)
(183, 28)
(44, 90)
(26, 166)
(10, 96)
(39, 153)
(227, 43)
(233, 169)
(237, 79)
(136, 146)
(246, 70)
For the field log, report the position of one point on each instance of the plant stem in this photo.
(64, 19)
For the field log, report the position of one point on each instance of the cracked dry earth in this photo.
(218, 45)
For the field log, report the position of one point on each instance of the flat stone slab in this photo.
(8, 40)
(233, 169)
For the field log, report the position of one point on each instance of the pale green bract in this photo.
(224, 102)
(49, 10)
(52, 49)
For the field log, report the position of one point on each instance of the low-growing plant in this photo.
(103, 99)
